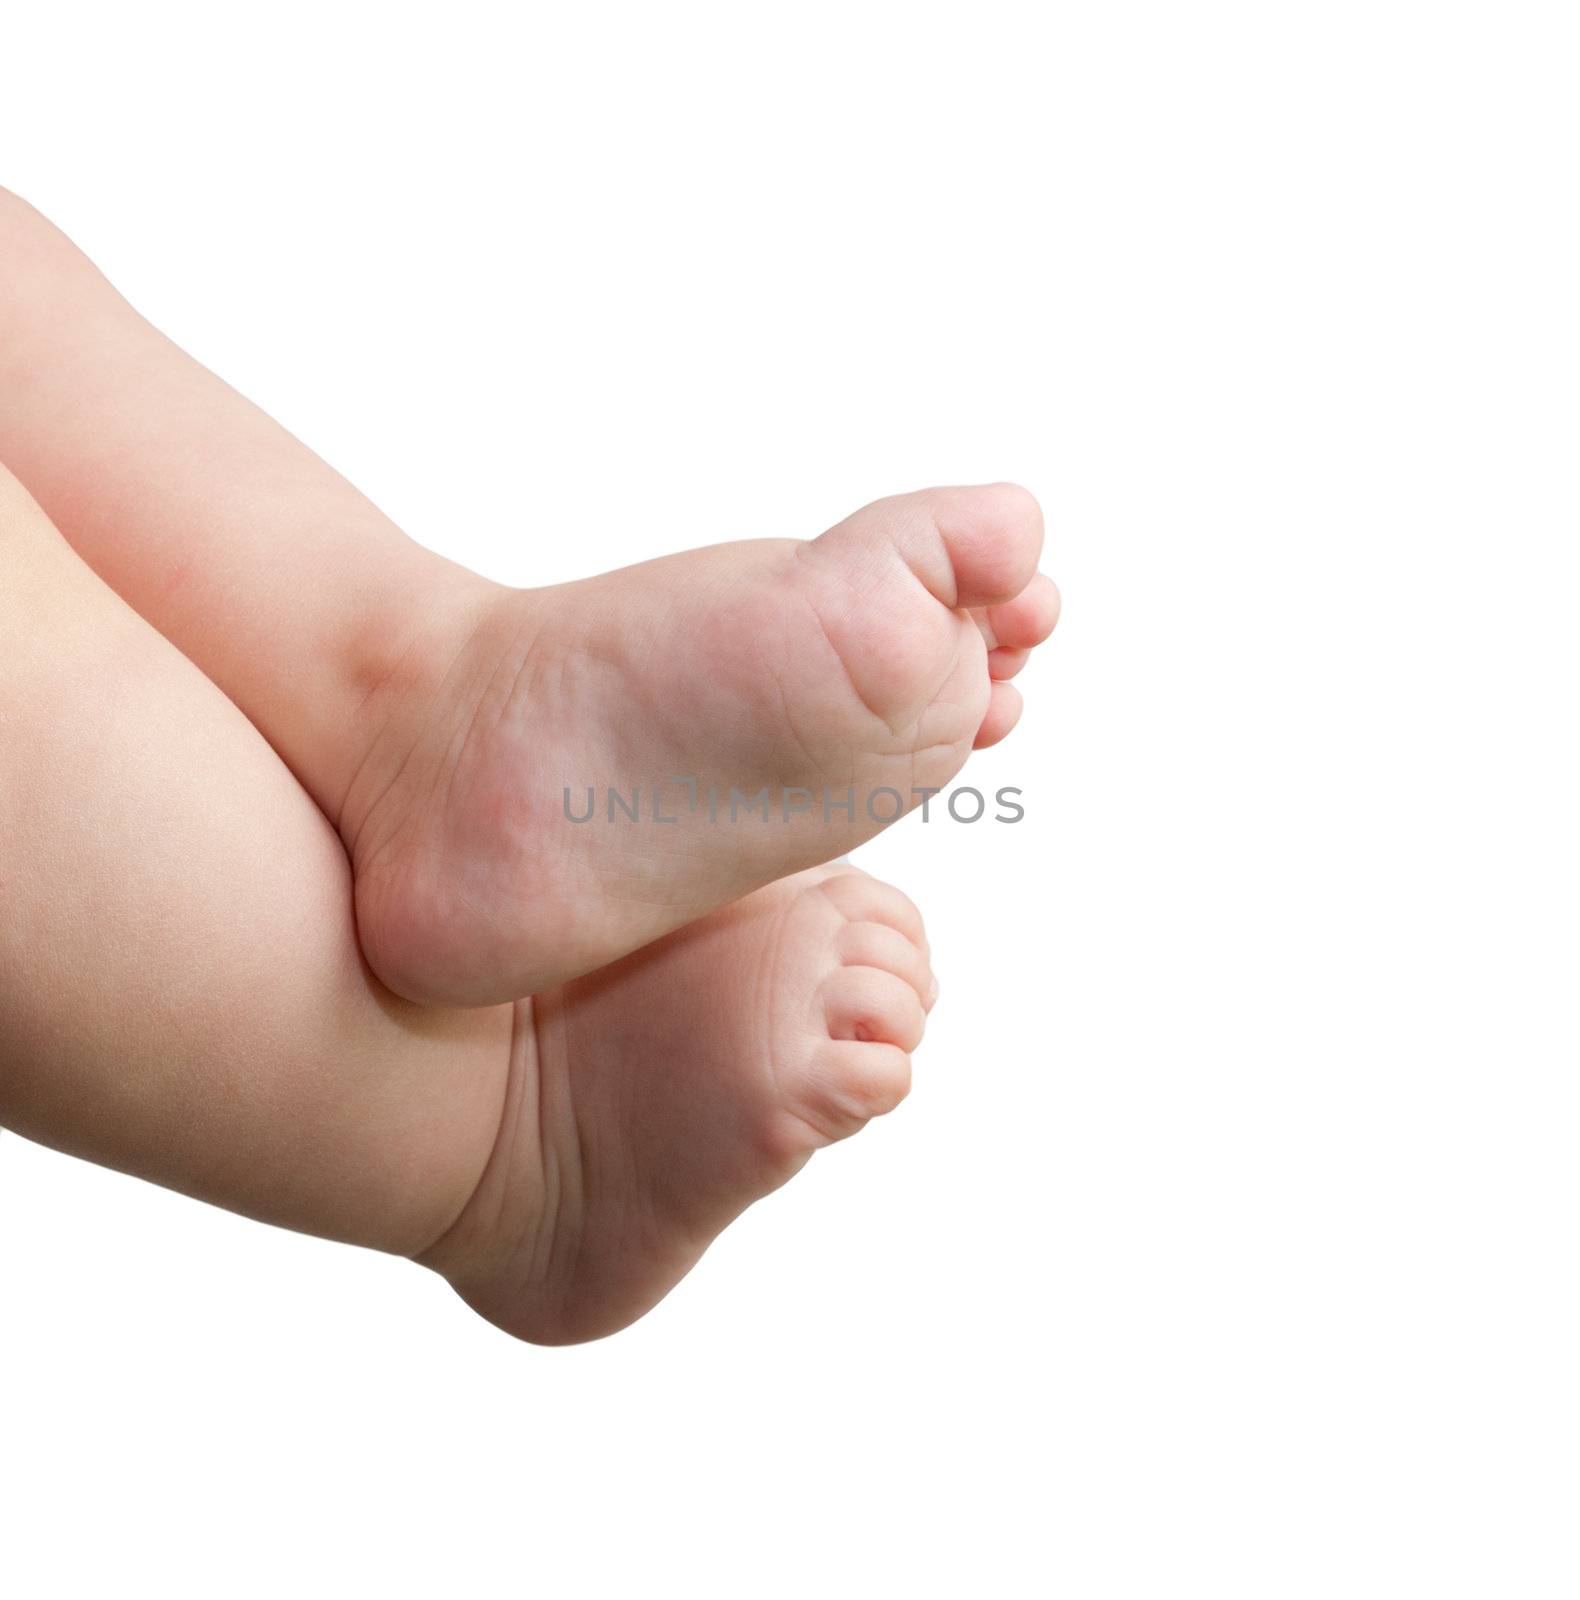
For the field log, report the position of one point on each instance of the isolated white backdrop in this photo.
(1227, 1245)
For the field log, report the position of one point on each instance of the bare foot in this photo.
(783, 679)
(649, 1104)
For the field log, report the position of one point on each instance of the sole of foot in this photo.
(575, 771)
(650, 1103)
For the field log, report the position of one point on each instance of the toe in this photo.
(1004, 709)
(864, 1003)
(1025, 621)
(850, 1082)
(975, 546)
(1004, 664)
(865, 899)
(875, 944)
(992, 536)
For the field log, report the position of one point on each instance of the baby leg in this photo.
(181, 993)
(443, 723)
(286, 586)
(181, 996)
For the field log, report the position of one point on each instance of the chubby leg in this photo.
(443, 722)
(286, 586)
(182, 997)
(181, 992)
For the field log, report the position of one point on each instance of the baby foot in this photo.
(754, 709)
(649, 1104)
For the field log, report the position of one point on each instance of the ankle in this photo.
(398, 659)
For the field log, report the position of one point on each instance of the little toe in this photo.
(864, 1003)
(1003, 712)
(850, 1082)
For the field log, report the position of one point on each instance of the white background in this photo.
(1227, 1245)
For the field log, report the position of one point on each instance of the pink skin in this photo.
(436, 718)
(711, 1004)
(857, 662)
(652, 1102)
(182, 996)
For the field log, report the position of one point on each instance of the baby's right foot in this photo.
(649, 1104)
(830, 684)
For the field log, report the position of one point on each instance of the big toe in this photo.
(974, 546)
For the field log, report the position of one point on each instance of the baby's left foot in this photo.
(754, 708)
(652, 1102)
